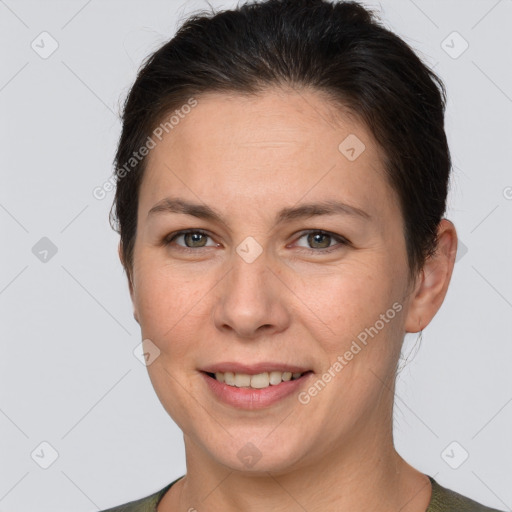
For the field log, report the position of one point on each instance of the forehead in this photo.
(278, 145)
(277, 118)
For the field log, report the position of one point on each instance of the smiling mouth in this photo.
(259, 381)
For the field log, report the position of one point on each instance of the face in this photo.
(293, 259)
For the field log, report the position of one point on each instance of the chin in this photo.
(248, 455)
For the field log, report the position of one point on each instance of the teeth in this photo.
(262, 380)
(276, 378)
(242, 380)
(229, 378)
(259, 381)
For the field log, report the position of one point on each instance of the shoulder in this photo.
(146, 504)
(446, 500)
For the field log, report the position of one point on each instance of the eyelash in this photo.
(342, 241)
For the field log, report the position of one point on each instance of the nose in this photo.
(252, 300)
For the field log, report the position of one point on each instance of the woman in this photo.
(248, 139)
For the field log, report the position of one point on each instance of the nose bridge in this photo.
(250, 302)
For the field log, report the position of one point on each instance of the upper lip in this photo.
(253, 369)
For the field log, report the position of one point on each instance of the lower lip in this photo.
(250, 398)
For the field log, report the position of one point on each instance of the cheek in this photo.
(346, 297)
(168, 304)
(360, 315)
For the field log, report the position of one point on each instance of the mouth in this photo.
(257, 381)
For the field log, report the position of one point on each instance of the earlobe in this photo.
(432, 285)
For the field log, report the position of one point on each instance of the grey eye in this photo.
(195, 239)
(322, 239)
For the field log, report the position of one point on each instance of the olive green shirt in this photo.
(442, 500)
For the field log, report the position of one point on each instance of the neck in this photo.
(354, 478)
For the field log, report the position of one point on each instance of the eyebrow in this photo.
(201, 211)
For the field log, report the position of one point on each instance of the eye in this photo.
(192, 238)
(319, 241)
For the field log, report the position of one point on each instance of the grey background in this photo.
(68, 373)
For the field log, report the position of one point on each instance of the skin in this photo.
(249, 157)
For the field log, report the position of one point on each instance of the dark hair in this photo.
(339, 49)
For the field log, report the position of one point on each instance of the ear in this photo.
(130, 285)
(432, 285)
